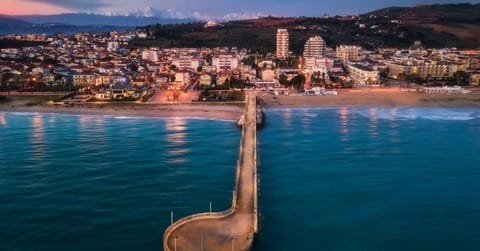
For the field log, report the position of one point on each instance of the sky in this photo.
(210, 8)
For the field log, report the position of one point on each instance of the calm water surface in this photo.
(370, 179)
(108, 183)
(330, 179)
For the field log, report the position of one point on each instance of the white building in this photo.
(210, 24)
(282, 43)
(113, 46)
(186, 62)
(268, 75)
(314, 48)
(83, 79)
(363, 75)
(348, 53)
(312, 63)
(182, 78)
(150, 55)
(225, 62)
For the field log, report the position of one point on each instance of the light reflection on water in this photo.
(3, 120)
(123, 195)
(287, 118)
(176, 136)
(372, 131)
(343, 112)
(38, 137)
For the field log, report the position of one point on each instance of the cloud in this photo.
(78, 5)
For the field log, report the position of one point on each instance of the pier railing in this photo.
(255, 176)
(232, 209)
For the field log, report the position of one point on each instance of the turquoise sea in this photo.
(339, 178)
(370, 179)
(108, 183)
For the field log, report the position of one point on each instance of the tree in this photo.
(209, 59)
(318, 78)
(298, 81)
(461, 78)
(283, 79)
(250, 60)
(227, 83)
(384, 74)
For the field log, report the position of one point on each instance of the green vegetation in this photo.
(297, 82)
(434, 25)
(250, 60)
(283, 79)
(318, 79)
(7, 43)
(221, 96)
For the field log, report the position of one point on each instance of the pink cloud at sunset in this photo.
(16, 7)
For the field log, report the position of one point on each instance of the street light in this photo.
(175, 244)
(171, 218)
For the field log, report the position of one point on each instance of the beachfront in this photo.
(375, 97)
(232, 111)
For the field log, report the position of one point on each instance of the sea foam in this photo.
(447, 114)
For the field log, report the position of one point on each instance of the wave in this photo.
(445, 114)
(109, 116)
(24, 113)
(300, 108)
(167, 118)
(310, 115)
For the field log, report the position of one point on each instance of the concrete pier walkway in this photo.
(234, 228)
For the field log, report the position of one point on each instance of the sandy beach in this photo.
(375, 97)
(211, 111)
(226, 111)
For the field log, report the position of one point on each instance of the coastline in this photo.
(386, 97)
(375, 97)
(204, 111)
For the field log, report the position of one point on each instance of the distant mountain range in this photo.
(81, 19)
(75, 22)
(10, 25)
(437, 26)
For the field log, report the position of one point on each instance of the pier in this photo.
(234, 228)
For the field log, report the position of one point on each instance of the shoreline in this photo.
(378, 98)
(192, 111)
(233, 111)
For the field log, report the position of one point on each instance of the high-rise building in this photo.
(348, 53)
(282, 43)
(314, 48)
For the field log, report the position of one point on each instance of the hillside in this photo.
(451, 25)
(10, 25)
(459, 20)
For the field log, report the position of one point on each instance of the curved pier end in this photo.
(234, 228)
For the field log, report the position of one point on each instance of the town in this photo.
(104, 67)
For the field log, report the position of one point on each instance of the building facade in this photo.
(363, 75)
(348, 53)
(422, 71)
(186, 62)
(282, 43)
(314, 48)
(225, 62)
